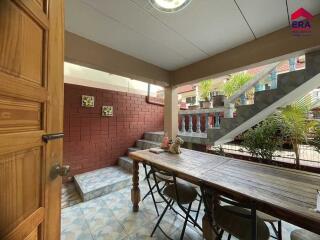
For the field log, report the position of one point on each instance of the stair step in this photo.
(153, 136)
(291, 80)
(146, 144)
(133, 149)
(100, 182)
(126, 162)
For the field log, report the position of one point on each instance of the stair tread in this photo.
(134, 149)
(125, 158)
(148, 141)
(102, 181)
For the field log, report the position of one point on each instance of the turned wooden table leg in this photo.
(135, 191)
(207, 220)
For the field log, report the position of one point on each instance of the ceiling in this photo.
(171, 41)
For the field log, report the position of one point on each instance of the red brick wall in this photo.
(92, 141)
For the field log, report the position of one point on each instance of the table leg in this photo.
(207, 220)
(135, 191)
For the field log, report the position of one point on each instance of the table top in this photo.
(285, 193)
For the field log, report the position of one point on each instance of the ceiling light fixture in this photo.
(169, 6)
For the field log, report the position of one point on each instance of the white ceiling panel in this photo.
(140, 21)
(313, 6)
(212, 25)
(170, 41)
(87, 22)
(264, 16)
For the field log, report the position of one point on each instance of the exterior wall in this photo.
(92, 141)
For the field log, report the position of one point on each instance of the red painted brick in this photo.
(93, 141)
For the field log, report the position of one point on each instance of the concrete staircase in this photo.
(291, 87)
(150, 140)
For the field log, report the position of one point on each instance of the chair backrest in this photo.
(221, 201)
(159, 174)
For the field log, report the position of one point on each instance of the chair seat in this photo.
(266, 217)
(228, 219)
(301, 234)
(187, 193)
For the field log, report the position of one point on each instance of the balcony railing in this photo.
(197, 122)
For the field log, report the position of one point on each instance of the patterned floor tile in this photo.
(74, 225)
(110, 217)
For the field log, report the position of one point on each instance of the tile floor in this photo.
(111, 217)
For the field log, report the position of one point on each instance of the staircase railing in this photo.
(195, 123)
(255, 80)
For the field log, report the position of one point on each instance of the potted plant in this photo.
(235, 83)
(205, 88)
(217, 99)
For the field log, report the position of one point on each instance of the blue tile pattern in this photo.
(102, 181)
(111, 217)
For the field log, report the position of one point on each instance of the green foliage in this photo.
(263, 140)
(235, 83)
(205, 88)
(296, 125)
(316, 140)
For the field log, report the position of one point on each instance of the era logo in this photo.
(301, 21)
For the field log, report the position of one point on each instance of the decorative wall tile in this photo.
(87, 101)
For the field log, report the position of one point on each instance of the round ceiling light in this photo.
(169, 6)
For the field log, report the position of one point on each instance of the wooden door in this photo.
(31, 105)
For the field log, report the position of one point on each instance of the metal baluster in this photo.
(190, 124)
(199, 123)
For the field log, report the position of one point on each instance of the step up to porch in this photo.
(145, 144)
(100, 182)
(154, 136)
(133, 149)
(125, 163)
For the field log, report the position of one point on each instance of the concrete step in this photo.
(133, 149)
(100, 182)
(153, 136)
(146, 144)
(125, 163)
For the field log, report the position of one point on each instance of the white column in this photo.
(171, 126)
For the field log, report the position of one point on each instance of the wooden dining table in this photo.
(287, 194)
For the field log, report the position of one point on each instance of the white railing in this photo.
(255, 80)
(187, 117)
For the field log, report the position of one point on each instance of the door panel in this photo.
(31, 105)
(21, 172)
(18, 115)
(21, 44)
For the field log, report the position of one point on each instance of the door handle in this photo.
(52, 136)
(58, 170)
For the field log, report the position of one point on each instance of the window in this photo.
(191, 100)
